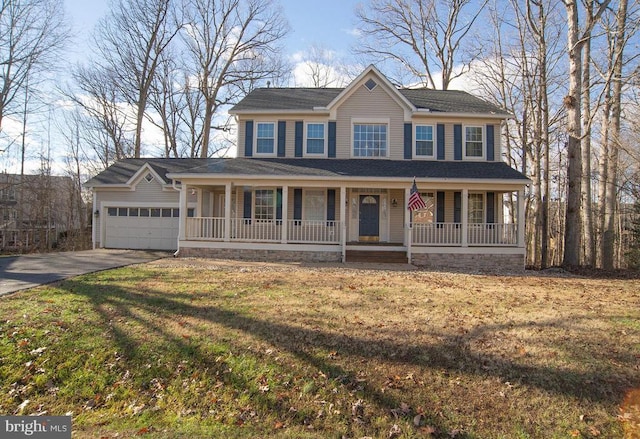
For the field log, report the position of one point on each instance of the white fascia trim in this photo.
(146, 167)
(442, 114)
(315, 111)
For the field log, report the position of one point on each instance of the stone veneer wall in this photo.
(469, 262)
(261, 255)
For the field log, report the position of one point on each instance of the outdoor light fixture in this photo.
(394, 202)
(96, 213)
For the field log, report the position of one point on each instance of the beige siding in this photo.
(363, 104)
(145, 193)
(448, 206)
(241, 136)
(396, 216)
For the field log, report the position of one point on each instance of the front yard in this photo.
(205, 348)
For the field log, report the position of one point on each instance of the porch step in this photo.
(379, 256)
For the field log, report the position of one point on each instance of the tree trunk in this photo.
(609, 236)
(573, 224)
(586, 212)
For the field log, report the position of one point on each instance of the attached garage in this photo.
(144, 228)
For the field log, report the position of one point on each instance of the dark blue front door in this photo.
(369, 217)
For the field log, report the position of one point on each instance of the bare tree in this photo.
(426, 38)
(231, 45)
(106, 117)
(32, 33)
(576, 38)
(131, 40)
(322, 68)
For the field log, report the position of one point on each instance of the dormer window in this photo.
(265, 138)
(148, 178)
(370, 84)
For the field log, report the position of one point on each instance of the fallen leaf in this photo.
(278, 425)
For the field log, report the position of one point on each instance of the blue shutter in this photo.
(247, 205)
(457, 142)
(332, 140)
(279, 204)
(491, 207)
(282, 133)
(408, 145)
(248, 138)
(440, 140)
(299, 139)
(297, 204)
(457, 207)
(490, 143)
(331, 205)
(440, 207)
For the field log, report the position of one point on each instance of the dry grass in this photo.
(202, 348)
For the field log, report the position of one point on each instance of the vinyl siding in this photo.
(396, 216)
(363, 104)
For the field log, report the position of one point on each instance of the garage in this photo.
(142, 228)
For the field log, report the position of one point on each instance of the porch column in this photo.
(285, 215)
(343, 222)
(94, 224)
(465, 217)
(408, 236)
(521, 219)
(227, 212)
(182, 220)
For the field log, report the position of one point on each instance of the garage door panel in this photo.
(141, 232)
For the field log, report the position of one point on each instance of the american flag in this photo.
(415, 200)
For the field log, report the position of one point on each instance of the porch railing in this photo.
(299, 231)
(486, 234)
(330, 232)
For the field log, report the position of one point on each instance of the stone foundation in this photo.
(469, 262)
(262, 255)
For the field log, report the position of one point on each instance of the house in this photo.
(35, 210)
(324, 174)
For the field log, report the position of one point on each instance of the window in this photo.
(370, 84)
(370, 140)
(424, 140)
(476, 208)
(265, 204)
(428, 214)
(315, 138)
(314, 205)
(473, 144)
(265, 137)
(148, 178)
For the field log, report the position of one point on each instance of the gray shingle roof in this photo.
(122, 171)
(305, 99)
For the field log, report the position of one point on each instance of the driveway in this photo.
(28, 271)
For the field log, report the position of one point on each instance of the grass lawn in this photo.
(204, 348)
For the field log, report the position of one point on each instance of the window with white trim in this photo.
(265, 137)
(370, 140)
(314, 207)
(315, 139)
(428, 214)
(473, 142)
(424, 143)
(476, 208)
(264, 204)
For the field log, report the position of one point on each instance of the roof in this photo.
(122, 171)
(306, 99)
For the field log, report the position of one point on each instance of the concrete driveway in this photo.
(28, 271)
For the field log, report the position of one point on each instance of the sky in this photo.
(329, 25)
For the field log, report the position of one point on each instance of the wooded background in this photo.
(567, 70)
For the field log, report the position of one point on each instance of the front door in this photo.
(369, 217)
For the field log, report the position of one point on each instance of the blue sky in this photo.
(328, 24)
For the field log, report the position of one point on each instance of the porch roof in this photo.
(339, 168)
(122, 171)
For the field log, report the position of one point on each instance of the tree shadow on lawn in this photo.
(310, 347)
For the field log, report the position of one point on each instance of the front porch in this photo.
(272, 222)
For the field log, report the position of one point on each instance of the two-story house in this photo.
(324, 174)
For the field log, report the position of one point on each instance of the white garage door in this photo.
(142, 228)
